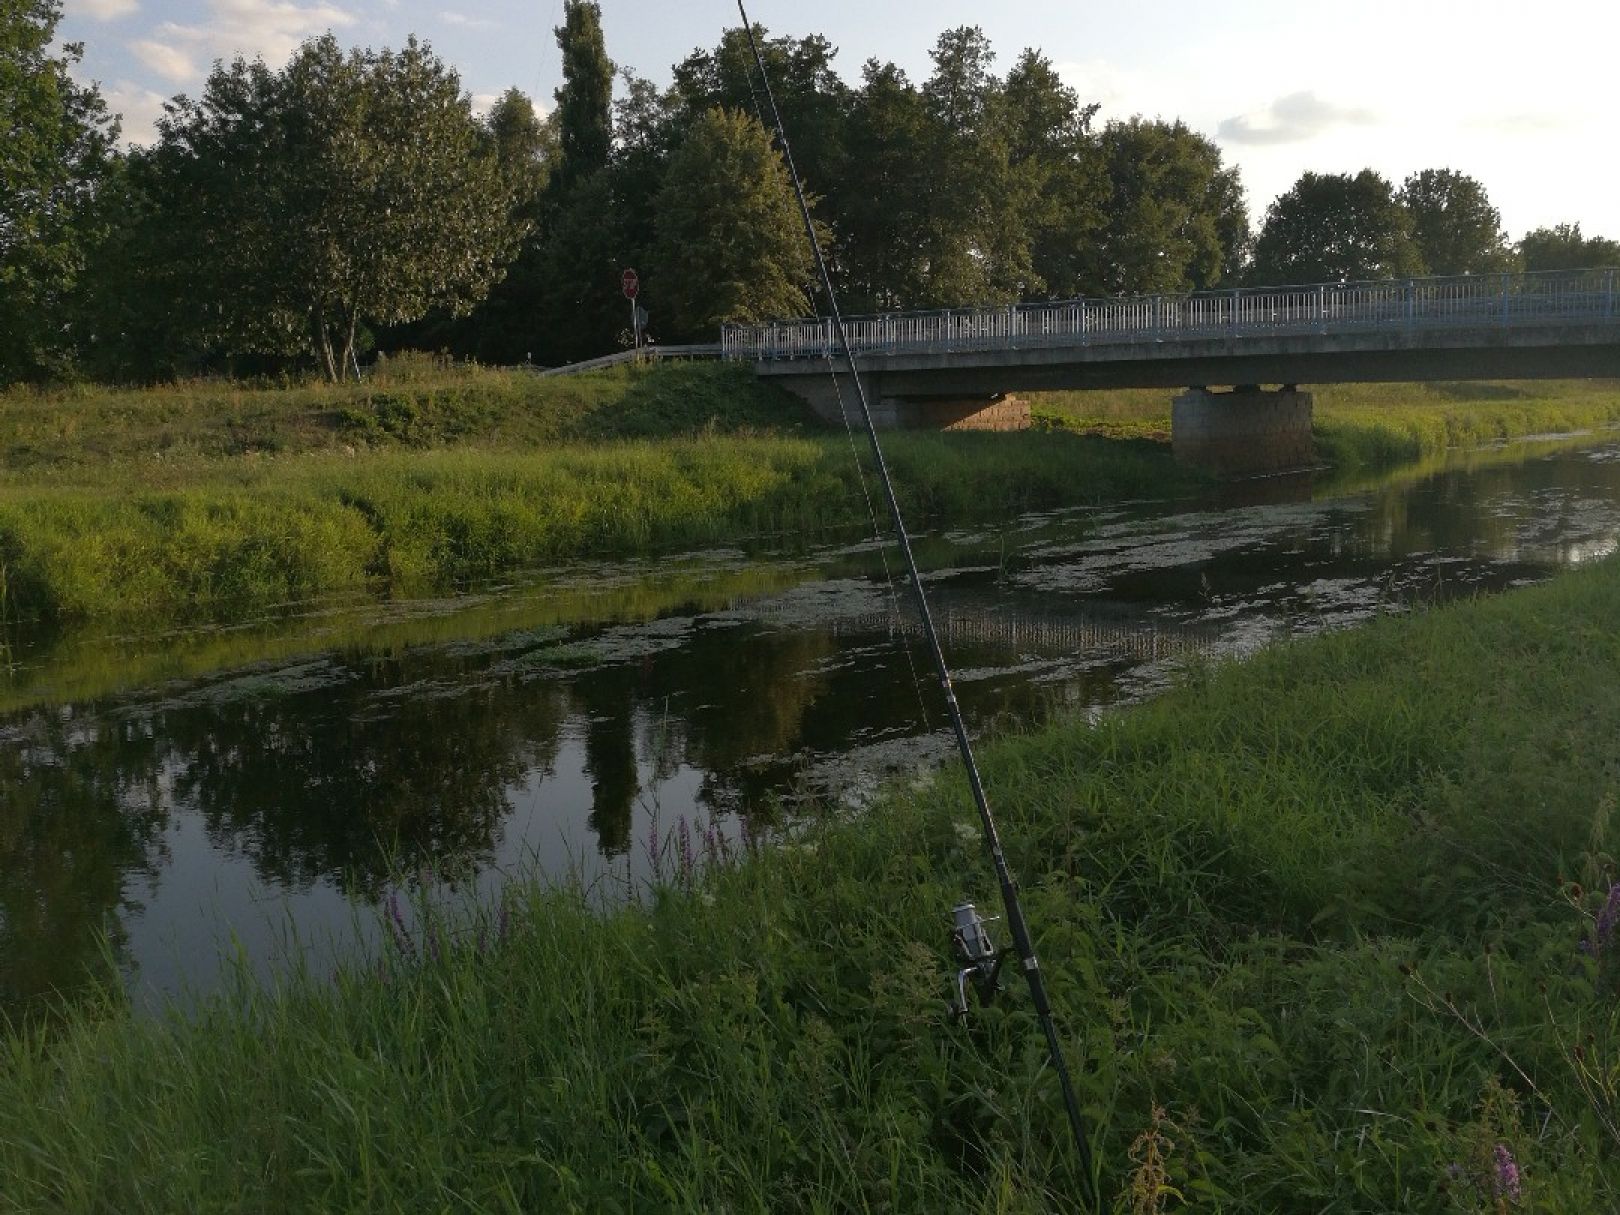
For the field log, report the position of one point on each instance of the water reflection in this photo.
(516, 736)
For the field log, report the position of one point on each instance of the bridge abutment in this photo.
(831, 399)
(1243, 432)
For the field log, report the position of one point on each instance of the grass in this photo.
(1313, 927)
(240, 537)
(1372, 425)
(158, 435)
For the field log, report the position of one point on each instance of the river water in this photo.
(171, 800)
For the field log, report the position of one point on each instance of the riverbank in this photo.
(216, 501)
(1372, 425)
(1307, 922)
(186, 505)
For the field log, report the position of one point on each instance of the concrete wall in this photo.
(1244, 432)
(835, 401)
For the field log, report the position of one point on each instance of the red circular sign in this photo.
(631, 283)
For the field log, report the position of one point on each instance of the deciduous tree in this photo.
(585, 100)
(1563, 247)
(731, 244)
(1336, 227)
(1174, 218)
(344, 190)
(1456, 229)
(55, 148)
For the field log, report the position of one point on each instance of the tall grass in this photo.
(1372, 425)
(413, 403)
(1308, 923)
(246, 537)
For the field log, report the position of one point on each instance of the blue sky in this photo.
(1522, 97)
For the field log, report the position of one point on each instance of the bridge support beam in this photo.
(831, 400)
(1244, 432)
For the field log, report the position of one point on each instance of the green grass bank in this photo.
(209, 501)
(1372, 425)
(1325, 931)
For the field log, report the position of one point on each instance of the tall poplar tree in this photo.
(585, 100)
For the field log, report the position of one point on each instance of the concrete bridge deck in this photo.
(961, 367)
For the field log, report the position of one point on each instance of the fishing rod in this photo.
(969, 932)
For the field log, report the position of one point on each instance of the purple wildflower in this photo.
(654, 852)
(397, 928)
(688, 856)
(711, 843)
(1506, 1180)
(1607, 920)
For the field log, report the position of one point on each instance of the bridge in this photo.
(964, 367)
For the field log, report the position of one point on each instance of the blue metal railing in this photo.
(1481, 302)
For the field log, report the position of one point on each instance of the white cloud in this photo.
(1521, 124)
(1292, 119)
(450, 17)
(138, 110)
(268, 29)
(483, 103)
(167, 61)
(102, 10)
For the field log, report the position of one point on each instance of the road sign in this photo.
(631, 282)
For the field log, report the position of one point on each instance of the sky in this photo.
(1520, 96)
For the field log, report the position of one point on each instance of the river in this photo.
(172, 800)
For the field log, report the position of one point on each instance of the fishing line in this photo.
(1009, 892)
(898, 621)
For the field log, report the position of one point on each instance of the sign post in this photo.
(630, 282)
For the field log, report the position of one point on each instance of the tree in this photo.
(1174, 218)
(585, 100)
(1055, 179)
(1336, 228)
(881, 228)
(974, 246)
(731, 244)
(1562, 247)
(345, 190)
(1456, 229)
(55, 150)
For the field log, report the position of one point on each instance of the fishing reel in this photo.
(983, 960)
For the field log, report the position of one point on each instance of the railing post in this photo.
(1506, 280)
(1608, 295)
(1321, 308)
(1411, 303)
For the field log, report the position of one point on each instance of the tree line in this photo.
(352, 201)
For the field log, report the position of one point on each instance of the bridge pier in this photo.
(1243, 432)
(830, 400)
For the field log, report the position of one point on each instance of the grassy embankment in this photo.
(1305, 921)
(1372, 425)
(213, 500)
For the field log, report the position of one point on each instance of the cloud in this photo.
(1291, 119)
(167, 61)
(102, 10)
(1520, 124)
(138, 109)
(483, 103)
(267, 29)
(450, 17)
